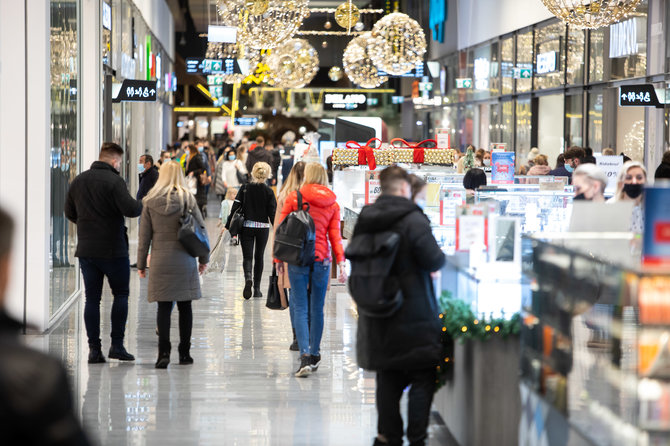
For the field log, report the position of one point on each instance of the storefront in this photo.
(552, 86)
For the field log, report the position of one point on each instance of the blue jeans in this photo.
(94, 271)
(308, 308)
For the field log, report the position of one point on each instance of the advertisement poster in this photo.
(611, 165)
(373, 188)
(502, 168)
(442, 137)
(656, 236)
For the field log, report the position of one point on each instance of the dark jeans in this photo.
(94, 271)
(249, 238)
(185, 321)
(390, 387)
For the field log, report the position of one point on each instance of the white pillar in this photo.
(91, 82)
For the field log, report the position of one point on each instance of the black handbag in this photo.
(242, 178)
(273, 301)
(237, 219)
(192, 235)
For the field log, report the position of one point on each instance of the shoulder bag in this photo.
(192, 235)
(237, 220)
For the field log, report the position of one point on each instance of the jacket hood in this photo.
(539, 170)
(384, 213)
(159, 204)
(318, 195)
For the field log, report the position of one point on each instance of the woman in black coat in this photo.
(195, 166)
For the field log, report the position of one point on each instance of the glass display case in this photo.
(595, 357)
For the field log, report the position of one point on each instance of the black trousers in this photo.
(185, 321)
(253, 241)
(390, 387)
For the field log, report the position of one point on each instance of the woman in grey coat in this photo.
(174, 273)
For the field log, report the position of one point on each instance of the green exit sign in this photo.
(464, 82)
(522, 73)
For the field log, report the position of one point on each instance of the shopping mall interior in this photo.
(423, 222)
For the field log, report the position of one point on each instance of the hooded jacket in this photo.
(97, 203)
(325, 212)
(410, 338)
(174, 273)
(538, 170)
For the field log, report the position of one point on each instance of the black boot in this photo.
(95, 355)
(294, 345)
(257, 286)
(163, 360)
(184, 353)
(246, 264)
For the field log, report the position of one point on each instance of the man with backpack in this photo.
(401, 342)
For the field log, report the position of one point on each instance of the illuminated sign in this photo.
(623, 39)
(340, 101)
(546, 62)
(643, 95)
(133, 90)
(418, 71)
(464, 82)
(106, 16)
(246, 121)
(212, 66)
(223, 34)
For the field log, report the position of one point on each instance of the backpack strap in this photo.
(301, 203)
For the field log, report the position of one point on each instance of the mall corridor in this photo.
(240, 390)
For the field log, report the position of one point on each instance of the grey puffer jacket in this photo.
(174, 273)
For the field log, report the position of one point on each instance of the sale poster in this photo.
(502, 167)
(656, 237)
(611, 165)
(373, 188)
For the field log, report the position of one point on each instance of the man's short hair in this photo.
(574, 152)
(148, 158)
(391, 179)
(260, 140)
(6, 233)
(111, 150)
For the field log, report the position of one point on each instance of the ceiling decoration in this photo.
(399, 43)
(591, 13)
(294, 64)
(358, 63)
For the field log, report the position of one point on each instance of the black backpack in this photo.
(295, 239)
(372, 283)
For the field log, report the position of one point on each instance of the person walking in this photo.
(309, 283)
(258, 205)
(404, 348)
(195, 168)
(97, 203)
(148, 173)
(174, 273)
(291, 184)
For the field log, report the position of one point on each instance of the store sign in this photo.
(418, 71)
(212, 66)
(623, 39)
(106, 16)
(465, 82)
(133, 90)
(643, 95)
(546, 62)
(246, 121)
(223, 34)
(340, 101)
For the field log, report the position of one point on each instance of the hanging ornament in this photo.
(278, 21)
(324, 44)
(294, 64)
(335, 74)
(359, 26)
(358, 64)
(237, 51)
(328, 25)
(591, 13)
(346, 15)
(400, 44)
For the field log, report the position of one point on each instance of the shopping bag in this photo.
(219, 255)
(192, 184)
(273, 301)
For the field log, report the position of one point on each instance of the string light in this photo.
(346, 15)
(400, 43)
(335, 74)
(591, 13)
(294, 64)
(358, 65)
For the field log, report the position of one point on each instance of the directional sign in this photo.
(465, 82)
(643, 95)
(522, 73)
(137, 91)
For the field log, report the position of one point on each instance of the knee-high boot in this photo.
(164, 348)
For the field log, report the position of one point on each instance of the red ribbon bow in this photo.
(419, 152)
(366, 154)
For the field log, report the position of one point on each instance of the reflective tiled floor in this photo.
(241, 389)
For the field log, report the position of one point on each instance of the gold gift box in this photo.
(345, 157)
(384, 157)
(404, 155)
(438, 156)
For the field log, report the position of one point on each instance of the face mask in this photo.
(140, 168)
(487, 163)
(569, 168)
(231, 158)
(421, 204)
(580, 197)
(633, 190)
(201, 149)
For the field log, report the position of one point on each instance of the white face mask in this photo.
(421, 203)
(487, 163)
(140, 168)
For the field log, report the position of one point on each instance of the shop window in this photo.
(575, 59)
(595, 121)
(494, 124)
(65, 157)
(507, 123)
(628, 45)
(630, 132)
(597, 55)
(549, 56)
(574, 118)
(482, 69)
(523, 129)
(507, 65)
(452, 72)
(551, 140)
(524, 60)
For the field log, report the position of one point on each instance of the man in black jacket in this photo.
(97, 203)
(36, 405)
(404, 348)
(148, 176)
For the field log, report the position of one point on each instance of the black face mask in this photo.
(580, 197)
(633, 190)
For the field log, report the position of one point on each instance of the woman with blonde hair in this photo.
(258, 205)
(174, 273)
(540, 166)
(292, 184)
(308, 311)
(630, 187)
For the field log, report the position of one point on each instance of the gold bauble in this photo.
(257, 7)
(328, 25)
(399, 44)
(357, 62)
(591, 13)
(324, 44)
(293, 64)
(346, 15)
(335, 74)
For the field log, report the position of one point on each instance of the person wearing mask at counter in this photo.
(573, 158)
(630, 186)
(541, 166)
(473, 180)
(419, 189)
(589, 183)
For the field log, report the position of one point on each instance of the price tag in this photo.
(373, 188)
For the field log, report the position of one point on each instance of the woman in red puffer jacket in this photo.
(308, 311)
